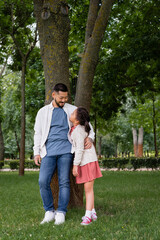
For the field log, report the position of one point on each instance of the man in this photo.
(51, 143)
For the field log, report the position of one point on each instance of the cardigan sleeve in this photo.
(37, 134)
(91, 133)
(78, 138)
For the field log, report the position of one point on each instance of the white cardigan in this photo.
(42, 127)
(82, 156)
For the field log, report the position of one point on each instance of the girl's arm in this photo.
(78, 139)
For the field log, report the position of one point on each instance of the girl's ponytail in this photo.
(83, 118)
(87, 127)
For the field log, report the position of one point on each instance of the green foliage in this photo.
(11, 107)
(134, 163)
(78, 17)
(129, 57)
(17, 28)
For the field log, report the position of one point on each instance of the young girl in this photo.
(85, 165)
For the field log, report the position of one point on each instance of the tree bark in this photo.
(53, 28)
(92, 16)
(17, 142)
(90, 56)
(1, 144)
(23, 121)
(99, 146)
(95, 128)
(1, 133)
(135, 142)
(154, 129)
(140, 142)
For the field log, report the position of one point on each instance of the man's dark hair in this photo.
(60, 87)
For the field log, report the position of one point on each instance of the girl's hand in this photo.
(75, 171)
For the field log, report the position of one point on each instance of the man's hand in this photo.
(37, 160)
(88, 143)
(75, 171)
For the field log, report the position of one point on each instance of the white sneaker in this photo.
(49, 216)
(59, 218)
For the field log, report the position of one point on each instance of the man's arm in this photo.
(91, 133)
(37, 160)
(37, 139)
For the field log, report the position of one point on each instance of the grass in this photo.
(127, 204)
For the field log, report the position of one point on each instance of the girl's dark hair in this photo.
(83, 118)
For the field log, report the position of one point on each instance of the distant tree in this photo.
(17, 18)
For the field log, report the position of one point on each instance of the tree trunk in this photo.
(76, 194)
(22, 142)
(53, 28)
(135, 143)
(95, 128)
(154, 129)
(90, 56)
(1, 144)
(140, 142)
(1, 133)
(17, 142)
(99, 146)
(116, 150)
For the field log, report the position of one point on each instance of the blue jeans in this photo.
(48, 166)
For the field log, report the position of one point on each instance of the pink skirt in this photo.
(88, 172)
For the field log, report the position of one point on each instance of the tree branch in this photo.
(101, 23)
(92, 16)
(4, 66)
(32, 44)
(12, 34)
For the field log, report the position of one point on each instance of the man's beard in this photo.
(58, 104)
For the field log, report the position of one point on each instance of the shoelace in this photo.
(86, 219)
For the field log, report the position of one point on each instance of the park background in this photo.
(123, 95)
(107, 53)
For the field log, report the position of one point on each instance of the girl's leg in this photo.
(88, 187)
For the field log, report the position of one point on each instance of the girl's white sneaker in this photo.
(93, 217)
(86, 221)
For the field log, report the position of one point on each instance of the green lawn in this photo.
(127, 203)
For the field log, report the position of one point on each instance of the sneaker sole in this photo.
(85, 224)
(59, 223)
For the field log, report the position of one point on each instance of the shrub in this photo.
(14, 164)
(135, 163)
(152, 162)
(30, 164)
(1, 164)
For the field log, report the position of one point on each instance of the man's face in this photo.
(60, 98)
